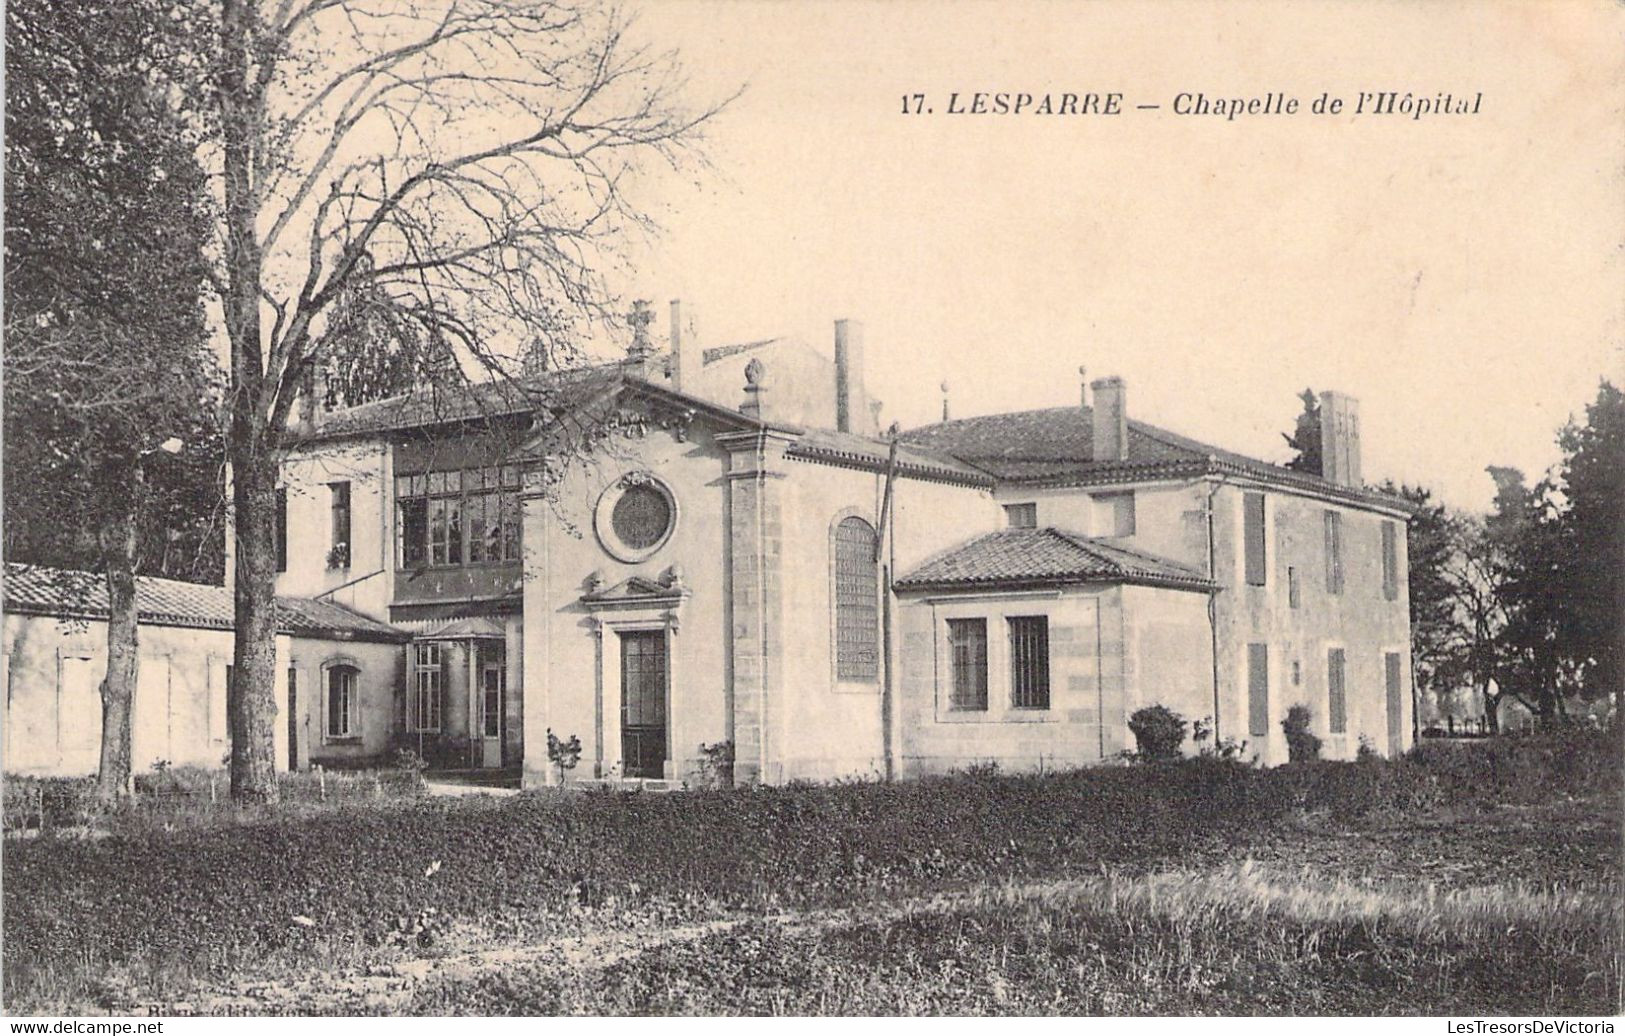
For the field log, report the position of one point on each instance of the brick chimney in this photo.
(852, 412)
(1340, 439)
(1110, 424)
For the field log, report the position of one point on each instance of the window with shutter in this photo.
(967, 646)
(1258, 690)
(1334, 552)
(1253, 533)
(1337, 702)
(1390, 561)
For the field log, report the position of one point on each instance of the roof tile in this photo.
(1049, 557)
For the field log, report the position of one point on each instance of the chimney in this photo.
(851, 400)
(675, 334)
(1340, 439)
(641, 351)
(1110, 419)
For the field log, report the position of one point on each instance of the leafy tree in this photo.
(470, 161)
(1305, 437)
(105, 348)
(1589, 547)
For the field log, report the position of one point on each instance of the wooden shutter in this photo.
(967, 645)
(1336, 697)
(1396, 704)
(1390, 561)
(1253, 534)
(1334, 552)
(1258, 690)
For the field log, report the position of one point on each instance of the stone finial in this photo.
(594, 581)
(945, 400)
(1083, 384)
(674, 578)
(755, 389)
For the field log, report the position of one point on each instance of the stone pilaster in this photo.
(755, 557)
(533, 629)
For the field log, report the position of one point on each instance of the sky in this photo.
(1461, 275)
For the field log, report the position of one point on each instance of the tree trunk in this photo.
(252, 703)
(1492, 709)
(123, 647)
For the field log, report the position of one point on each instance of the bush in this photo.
(1302, 745)
(1159, 731)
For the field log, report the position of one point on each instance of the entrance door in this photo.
(643, 703)
(493, 691)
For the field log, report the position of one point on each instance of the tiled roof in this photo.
(38, 590)
(1053, 447)
(1046, 557)
(862, 451)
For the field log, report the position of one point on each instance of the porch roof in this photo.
(1014, 558)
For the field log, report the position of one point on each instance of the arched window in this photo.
(857, 601)
(343, 702)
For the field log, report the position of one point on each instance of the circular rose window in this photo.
(636, 516)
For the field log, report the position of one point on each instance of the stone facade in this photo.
(716, 614)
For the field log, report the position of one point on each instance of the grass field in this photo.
(1483, 883)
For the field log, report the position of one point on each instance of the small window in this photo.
(339, 557)
(1390, 561)
(1021, 516)
(1294, 597)
(1253, 533)
(1334, 552)
(967, 644)
(1336, 697)
(1114, 514)
(414, 532)
(1029, 662)
(343, 702)
(426, 689)
(281, 530)
(1258, 690)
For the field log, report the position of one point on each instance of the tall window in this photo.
(281, 530)
(426, 689)
(1390, 561)
(1334, 552)
(1258, 690)
(466, 517)
(1253, 532)
(1021, 516)
(340, 555)
(1336, 697)
(343, 702)
(1029, 661)
(857, 605)
(967, 643)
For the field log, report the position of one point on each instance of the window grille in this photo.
(1029, 662)
(857, 605)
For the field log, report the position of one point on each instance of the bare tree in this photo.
(476, 161)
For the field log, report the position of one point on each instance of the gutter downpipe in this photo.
(1213, 602)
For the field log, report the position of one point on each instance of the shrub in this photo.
(1302, 745)
(1225, 749)
(717, 765)
(1159, 731)
(563, 754)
